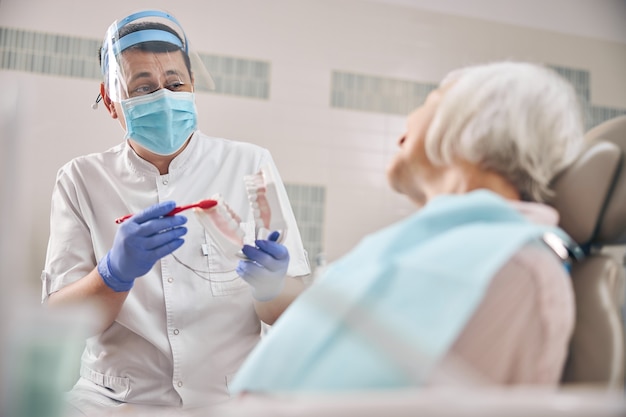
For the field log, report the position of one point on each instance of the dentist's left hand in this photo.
(266, 269)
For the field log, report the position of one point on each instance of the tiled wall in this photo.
(308, 202)
(581, 80)
(377, 94)
(75, 57)
(48, 53)
(238, 76)
(69, 56)
(392, 96)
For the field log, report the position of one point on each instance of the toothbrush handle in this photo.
(181, 208)
(120, 220)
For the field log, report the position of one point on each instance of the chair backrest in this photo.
(591, 199)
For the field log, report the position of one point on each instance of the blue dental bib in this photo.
(386, 313)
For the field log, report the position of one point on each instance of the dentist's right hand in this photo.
(139, 243)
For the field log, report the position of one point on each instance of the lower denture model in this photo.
(224, 225)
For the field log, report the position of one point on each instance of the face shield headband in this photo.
(117, 45)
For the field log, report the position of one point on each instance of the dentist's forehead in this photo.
(138, 64)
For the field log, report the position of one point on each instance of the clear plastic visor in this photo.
(148, 51)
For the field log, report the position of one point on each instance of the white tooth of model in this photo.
(223, 227)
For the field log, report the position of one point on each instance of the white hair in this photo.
(520, 120)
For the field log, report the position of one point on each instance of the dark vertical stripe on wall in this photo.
(308, 202)
(377, 94)
(580, 80)
(239, 76)
(46, 53)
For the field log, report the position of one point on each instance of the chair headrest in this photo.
(590, 195)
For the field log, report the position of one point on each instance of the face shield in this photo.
(149, 70)
(147, 51)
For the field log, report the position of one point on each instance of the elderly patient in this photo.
(466, 290)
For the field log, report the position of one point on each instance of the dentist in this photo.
(176, 319)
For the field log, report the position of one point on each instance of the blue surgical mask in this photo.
(161, 121)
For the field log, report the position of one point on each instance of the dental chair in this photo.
(591, 199)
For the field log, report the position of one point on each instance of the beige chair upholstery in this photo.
(591, 199)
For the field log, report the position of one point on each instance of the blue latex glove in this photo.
(140, 241)
(267, 267)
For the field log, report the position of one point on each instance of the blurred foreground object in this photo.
(39, 357)
(431, 402)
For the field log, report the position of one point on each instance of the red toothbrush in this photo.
(204, 204)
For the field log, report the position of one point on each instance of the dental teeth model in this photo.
(224, 225)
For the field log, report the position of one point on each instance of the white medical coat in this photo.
(180, 335)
